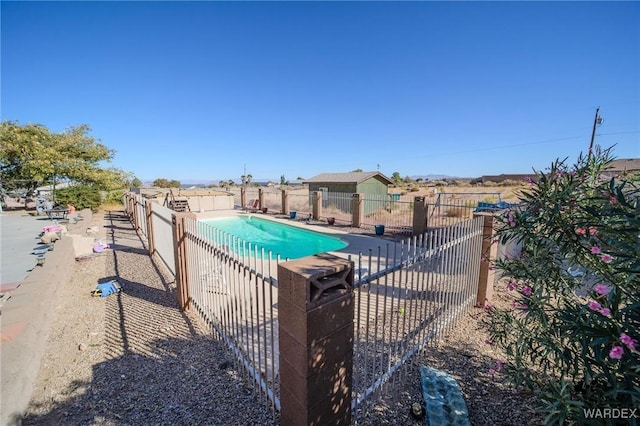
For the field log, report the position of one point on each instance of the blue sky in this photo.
(199, 90)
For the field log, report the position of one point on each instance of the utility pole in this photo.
(596, 121)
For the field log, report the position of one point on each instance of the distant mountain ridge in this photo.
(201, 182)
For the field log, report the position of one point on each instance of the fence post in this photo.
(285, 201)
(243, 197)
(357, 210)
(488, 255)
(149, 218)
(419, 215)
(260, 198)
(317, 204)
(129, 206)
(180, 251)
(136, 213)
(132, 207)
(125, 201)
(316, 306)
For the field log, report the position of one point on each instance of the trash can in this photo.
(379, 229)
(292, 215)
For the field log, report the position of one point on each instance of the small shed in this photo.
(374, 186)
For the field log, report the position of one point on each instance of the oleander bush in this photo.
(571, 333)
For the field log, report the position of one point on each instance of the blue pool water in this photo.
(288, 241)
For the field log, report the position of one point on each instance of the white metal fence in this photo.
(406, 293)
(429, 283)
(231, 285)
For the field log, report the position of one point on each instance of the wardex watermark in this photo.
(611, 413)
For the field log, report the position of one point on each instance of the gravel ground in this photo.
(134, 358)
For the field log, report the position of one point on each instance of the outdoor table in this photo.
(59, 212)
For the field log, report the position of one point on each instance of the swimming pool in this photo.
(288, 241)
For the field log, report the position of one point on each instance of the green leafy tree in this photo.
(165, 183)
(283, 180)
(32, 155)
(136, 183)
(356, 171)
(572, 332)
(396, 178)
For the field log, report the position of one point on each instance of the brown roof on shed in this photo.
(352, 177)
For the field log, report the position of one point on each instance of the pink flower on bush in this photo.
(488, 342)
(581, 231)
(594, 306)
(613, 199)
(627, 340)
(518, 305)
(492, 371)
(511, 286)
(593, 230)
(601, 289)
(616, 352)
(605, 311)
(595, 250)
(606, 258)
(511, 220)
(499, 364)
(527, 291)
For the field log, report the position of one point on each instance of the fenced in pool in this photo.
(406, 293)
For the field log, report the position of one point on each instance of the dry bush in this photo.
(458, 212)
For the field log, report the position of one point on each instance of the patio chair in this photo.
(253, 205)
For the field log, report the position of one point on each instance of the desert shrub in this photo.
(490, 199)
(113, 197)
(80, 196)
(510, 182)
(571, 335)
(457, 211)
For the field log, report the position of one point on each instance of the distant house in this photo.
(374, 186)
(623, 167)
(504, 177)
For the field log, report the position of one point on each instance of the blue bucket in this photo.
(379, 229)
(292, 215)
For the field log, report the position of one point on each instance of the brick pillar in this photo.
(357, 210)
(285, 201)
(149, 219)
(317, 204)
(488, 255)
(243, 197)
(315, 308)
(180, 250)
(419, 215)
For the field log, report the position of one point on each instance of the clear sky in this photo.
(197, 90)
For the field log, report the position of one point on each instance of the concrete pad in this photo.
(18, 237)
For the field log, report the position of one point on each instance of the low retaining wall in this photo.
(26, 323)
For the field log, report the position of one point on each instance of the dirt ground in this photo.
(135, 358)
